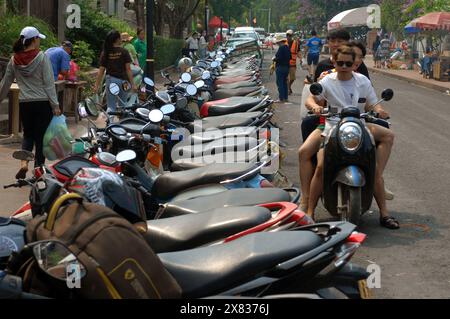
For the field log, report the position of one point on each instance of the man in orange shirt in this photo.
(294, 46)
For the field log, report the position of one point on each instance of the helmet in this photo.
(184, 64)
(196, 73)
(108, 189)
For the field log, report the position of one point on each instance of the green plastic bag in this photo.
(57, 139)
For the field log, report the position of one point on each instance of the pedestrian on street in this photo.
(376, 57)
(126, 41)
(282, 60)
(141, 48)
(38, 101)
(313, 47)
(203, 44)
(60, 59)
(115, 61)
(294, 47)
(192, 43)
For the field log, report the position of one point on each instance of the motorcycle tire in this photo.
(354, 205)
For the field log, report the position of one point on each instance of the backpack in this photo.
(118, 261)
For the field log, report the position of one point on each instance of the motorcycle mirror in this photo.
(191, 90)
(199, 84)
(316, 89)
(167, 109)
(126, 156)
(149, 81)
(91, 107)
(82, 110)
(56, 260)
(206, 75)
(387, 94)
(214, 64)
(156, 116)
(114, 89)
(186, 77)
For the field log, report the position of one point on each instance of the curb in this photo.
(414, 81)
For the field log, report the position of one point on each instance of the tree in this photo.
(139, 8)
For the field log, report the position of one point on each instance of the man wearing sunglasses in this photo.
(347, 88)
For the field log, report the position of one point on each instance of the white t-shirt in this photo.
(356, 92)
(340, 94)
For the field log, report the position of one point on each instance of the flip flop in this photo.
(22, 173)
(23, 155)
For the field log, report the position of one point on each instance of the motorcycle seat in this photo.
(211, 135)
(170, 184)
(228, 93)
(229, 105)
(182, 164)
(71, 165)
(211, 270)
(133, 125)
(193, 230)
(236, 85)
(224, 121)
(231, 144)
(229, 198)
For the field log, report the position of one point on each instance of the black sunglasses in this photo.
(347, 63)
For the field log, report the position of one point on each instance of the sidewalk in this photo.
(408, 75)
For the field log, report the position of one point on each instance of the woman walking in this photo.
(282, 59)
(116, 62)
(38, 101)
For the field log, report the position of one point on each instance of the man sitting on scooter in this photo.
(341, 89)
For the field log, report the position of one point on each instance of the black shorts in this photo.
(309, 124)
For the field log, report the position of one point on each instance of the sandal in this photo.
(389, 222)
(22, 173)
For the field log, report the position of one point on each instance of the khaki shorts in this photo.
(292, 72)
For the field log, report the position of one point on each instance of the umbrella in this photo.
(433, 21)
(215, 23)
(410, 29)
(350, 18)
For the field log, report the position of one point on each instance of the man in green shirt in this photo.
(126, 42)
(141, 48)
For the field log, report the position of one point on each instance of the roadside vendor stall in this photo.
(436, 25)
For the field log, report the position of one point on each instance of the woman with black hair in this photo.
(38, 101)
(116, 62)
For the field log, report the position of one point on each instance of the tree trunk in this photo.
(158, 18)
(140, 13)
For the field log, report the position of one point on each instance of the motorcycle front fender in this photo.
(351, 176)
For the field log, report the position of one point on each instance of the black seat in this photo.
(215, 134)
(225, 121)
(71, 165)
(231, 144)
(228, 93)
(182, 164)
(194, 230)
(237, 85)
(229, 198)
(234, 104)
(211, 270)
(168, 185)
(132, 125)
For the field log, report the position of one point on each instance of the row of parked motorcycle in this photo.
(174, 197)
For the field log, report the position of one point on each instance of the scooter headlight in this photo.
(350, 136)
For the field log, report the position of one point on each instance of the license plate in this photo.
(364, 291)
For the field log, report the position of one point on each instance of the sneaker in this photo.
(388, 194)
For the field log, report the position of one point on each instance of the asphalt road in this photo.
(415, 259)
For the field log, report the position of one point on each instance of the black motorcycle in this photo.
(349, 161)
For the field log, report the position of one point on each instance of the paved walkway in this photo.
(411, 76)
